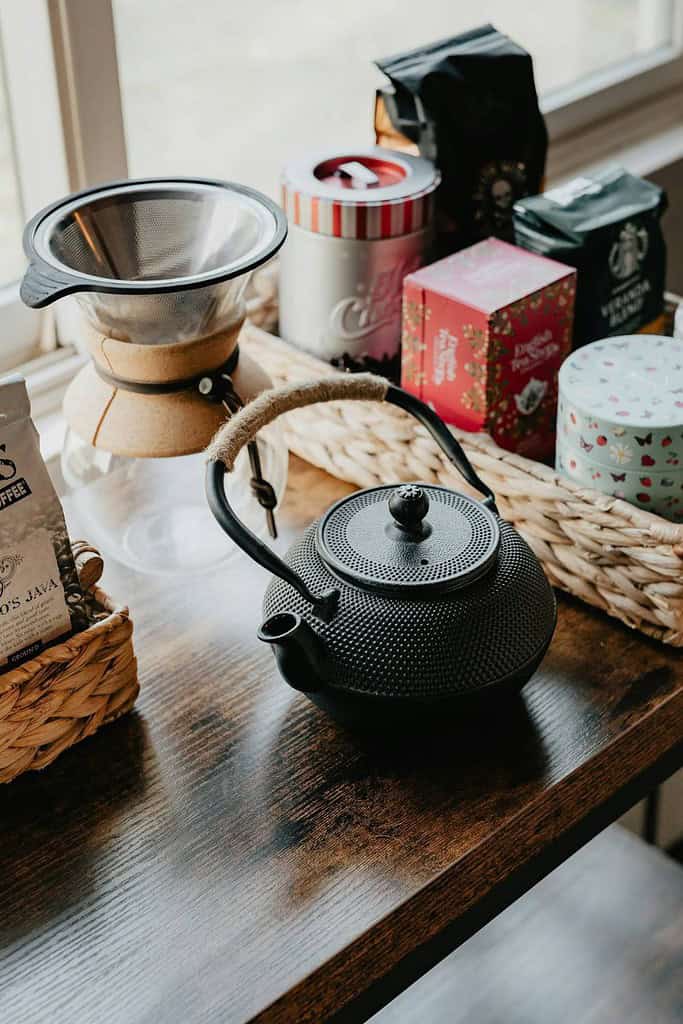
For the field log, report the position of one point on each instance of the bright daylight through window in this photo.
(11, 213)
(234, 91)
(250, 85)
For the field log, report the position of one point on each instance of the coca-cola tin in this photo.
(358, 223)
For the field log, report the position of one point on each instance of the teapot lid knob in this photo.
(409, 505)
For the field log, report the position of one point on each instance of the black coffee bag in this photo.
(608, 227)
(469, 104)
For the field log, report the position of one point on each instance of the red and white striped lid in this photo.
(369, 193)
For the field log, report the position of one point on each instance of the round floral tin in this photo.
(620, 420)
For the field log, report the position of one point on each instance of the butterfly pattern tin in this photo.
(620, 420)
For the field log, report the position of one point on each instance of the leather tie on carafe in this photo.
(216, 386)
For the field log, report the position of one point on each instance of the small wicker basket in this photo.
(70, 689)
(627, 562)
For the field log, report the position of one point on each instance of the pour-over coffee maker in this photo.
(159, 268)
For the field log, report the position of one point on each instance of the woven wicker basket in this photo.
(610, 554)
(69, 690)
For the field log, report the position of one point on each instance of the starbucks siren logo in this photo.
(629, 251)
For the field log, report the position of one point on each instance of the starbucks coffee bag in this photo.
(40, 597)
(608, 227)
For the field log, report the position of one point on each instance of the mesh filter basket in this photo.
(153, 261)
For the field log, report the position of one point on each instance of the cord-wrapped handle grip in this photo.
(266, 407)
(243, 427)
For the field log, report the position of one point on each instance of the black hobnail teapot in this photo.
(403, 600)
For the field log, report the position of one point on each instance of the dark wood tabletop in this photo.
(225, 853)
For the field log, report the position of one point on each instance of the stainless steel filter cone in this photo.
(153, 261)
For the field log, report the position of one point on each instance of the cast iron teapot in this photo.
(402, 600)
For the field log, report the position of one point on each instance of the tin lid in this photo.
(634, 381)
(490, 275)
(368, 193)
(414, 538)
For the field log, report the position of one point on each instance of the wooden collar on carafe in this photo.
(167, 387)
(149, 370)
(178, 364)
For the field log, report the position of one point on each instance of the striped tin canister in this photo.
(358, 223)
(620, 420)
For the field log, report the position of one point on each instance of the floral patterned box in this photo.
(620, 420)
(484, 334)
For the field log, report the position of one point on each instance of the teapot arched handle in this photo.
(242, 428)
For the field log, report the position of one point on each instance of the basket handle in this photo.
(243, 427)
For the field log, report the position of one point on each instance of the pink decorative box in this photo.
(484, 334)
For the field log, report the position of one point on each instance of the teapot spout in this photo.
(299, 652)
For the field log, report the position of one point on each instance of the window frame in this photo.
(616, 89)
(35, 126)
(607, 92)
(66, 123)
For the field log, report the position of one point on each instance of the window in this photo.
(32, 168)
(11, 214)
(95, 89)
(21, 326)
(234, 89)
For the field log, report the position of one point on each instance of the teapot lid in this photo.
(409, 537)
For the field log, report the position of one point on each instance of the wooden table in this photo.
(226, 854)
